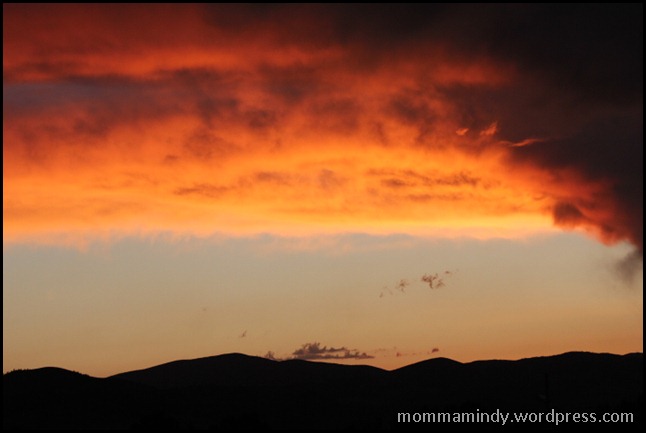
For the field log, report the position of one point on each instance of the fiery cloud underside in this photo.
(246, 120)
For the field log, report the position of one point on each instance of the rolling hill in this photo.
(240, 391)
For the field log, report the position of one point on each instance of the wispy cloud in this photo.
(433, 280)
(399, 354)
(402, 284)
(628, 267)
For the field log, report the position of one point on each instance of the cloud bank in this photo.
(481, 120)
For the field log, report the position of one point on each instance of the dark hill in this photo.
(240, 391)
(56, 398)
(235, 369)
(232, 369)
(570, 381)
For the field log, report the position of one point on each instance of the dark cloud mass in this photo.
(587, 62)
(580, 89)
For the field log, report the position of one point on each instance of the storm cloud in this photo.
(483, 111)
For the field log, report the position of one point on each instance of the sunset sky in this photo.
(374, 184)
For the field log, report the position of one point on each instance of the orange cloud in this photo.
(240, 119)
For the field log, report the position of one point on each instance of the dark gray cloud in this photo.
(629, 267)
(605, 149)
(314, 351)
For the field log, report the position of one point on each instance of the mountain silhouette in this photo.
(244, 392)
(242, 370)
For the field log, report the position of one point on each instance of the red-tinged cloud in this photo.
(444, 120)
(429, 352)
(434, 281)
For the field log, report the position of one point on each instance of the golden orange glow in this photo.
(379, 190)
(131, 181)
(127, 129)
